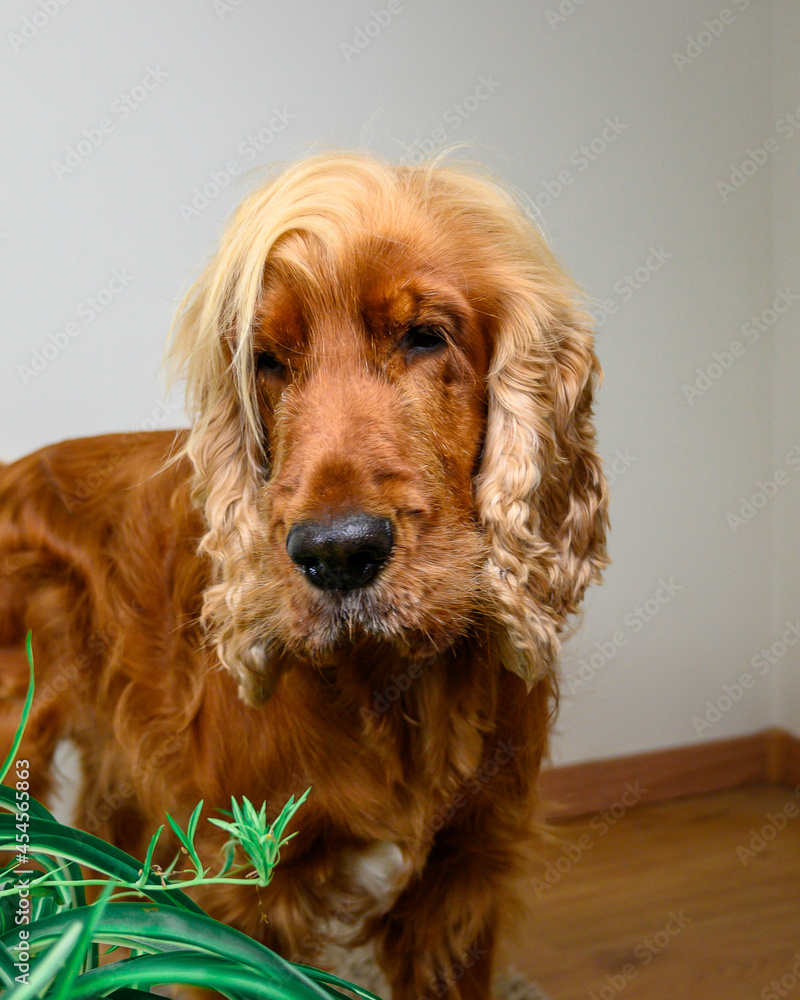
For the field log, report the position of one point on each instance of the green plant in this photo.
(50, 937)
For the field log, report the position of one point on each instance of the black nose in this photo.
(343, 554)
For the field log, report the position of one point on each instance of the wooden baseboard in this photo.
(772, 756)
(786, 757)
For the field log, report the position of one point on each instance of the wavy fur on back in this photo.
(390, 343)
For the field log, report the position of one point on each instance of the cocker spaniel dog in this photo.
(351, 573)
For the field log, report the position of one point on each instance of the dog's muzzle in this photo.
(343, 554)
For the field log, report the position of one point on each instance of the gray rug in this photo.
(357, 965)
(512, 985)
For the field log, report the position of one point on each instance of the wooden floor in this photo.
(660, 903)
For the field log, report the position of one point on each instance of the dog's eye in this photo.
(268, 364)
(423, 339)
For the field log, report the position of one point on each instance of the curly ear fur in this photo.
(541, 491)
(211, 349)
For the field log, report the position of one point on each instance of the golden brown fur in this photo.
(391, 340)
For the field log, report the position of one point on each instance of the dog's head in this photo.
(391, 387)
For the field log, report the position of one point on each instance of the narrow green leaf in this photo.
(8, 800)
(184, 968)
(194, 819)
(187, 841)
(227, 863)
(47, 967)
(127, 993)
(328, 979)
(8, 969)
(26, 711)
(182, 837)
(223, 823)
(74, 963)
(149, 857)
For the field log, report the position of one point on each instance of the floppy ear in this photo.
(541, 492)
(211, 348)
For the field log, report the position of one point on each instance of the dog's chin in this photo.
(338, 622)
(371, 635)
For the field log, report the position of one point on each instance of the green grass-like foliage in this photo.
(172, 941)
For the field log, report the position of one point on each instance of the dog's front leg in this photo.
(439, 939)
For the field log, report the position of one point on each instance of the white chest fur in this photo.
(368, 880)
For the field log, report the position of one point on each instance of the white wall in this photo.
(786, 221)
(221, 73)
